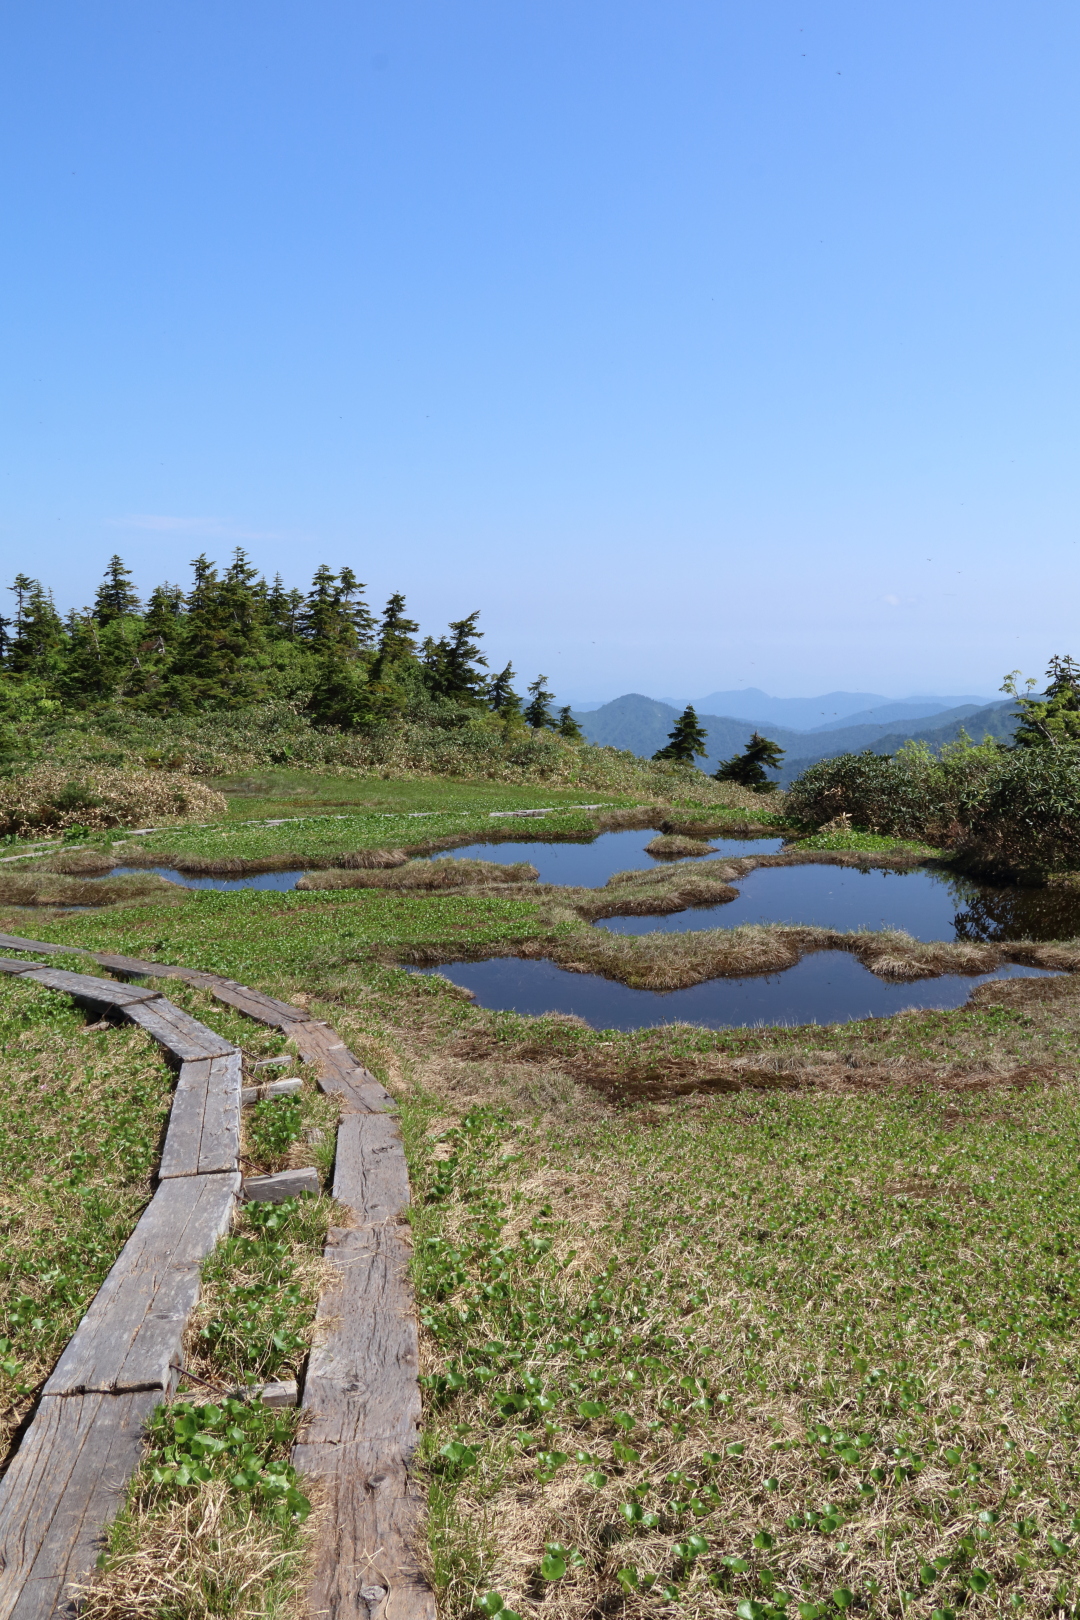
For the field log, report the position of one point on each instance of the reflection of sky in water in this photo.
(588, 866)
(257, 880)
(827, 987)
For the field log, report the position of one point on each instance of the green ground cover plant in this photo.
(82, 1109)
(771, 1355)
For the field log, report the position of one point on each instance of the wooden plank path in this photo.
(361, 1397)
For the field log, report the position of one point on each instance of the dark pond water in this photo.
(828, 987)
(590, 865)
(256, 880)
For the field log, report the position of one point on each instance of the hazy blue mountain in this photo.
(641, 725)
(831, 709)
(904, 709)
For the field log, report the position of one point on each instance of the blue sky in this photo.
(697, 344)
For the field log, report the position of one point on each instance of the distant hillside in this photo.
(641, 724)
(833, 709)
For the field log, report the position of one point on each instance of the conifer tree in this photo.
(39, 632)
(452, 666)
(396, 633)
(501, 697)
(686, 740)
(568, 726)
(164, 613)
(115, 597)
(748, 768)
(538, 712)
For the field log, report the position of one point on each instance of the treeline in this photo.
(233, 640)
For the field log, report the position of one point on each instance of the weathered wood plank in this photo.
(370, 1174)
(12, 942)
(340, 1075)
(361, 1380)
(262, 1008)
(134, 1326)
(136, 967)
(285, 1184)
(84, 987)
(365, 1565)
(9, 964)
(180, 1155)
(63, 1486)
(219, 1148)
(184, 1036)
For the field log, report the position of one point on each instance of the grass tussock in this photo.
(37, 888)
(676, 847)
(429, 876)
(204, 1556)
(51, 798)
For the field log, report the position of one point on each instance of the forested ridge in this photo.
(233, 640)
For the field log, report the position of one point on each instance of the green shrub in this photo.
(913, 794)
(1026, 818)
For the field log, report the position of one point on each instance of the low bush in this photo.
(913, 794)
(52, 798)
(1026, 818)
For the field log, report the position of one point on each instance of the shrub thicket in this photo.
(912, 794)
(1014, 810)
(1026, 816)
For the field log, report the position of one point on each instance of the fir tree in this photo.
(501, 697)
(39, 641)
(686, 742)
(396, 633)
(115, 597)
(568, 726)
(538, 712)
(452, 666)
(164, 613)
(748, 768)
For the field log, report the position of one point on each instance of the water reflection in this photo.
(589, 865)
(828, 987)
(255, 880)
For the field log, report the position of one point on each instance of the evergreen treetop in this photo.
(538, 712)
(748, 768)
(686, 741)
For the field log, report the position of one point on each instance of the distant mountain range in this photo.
(641, 725)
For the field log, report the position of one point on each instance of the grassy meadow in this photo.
(760, 1322)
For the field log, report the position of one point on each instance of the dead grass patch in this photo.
(675, 847)
(203, 1557)
(43, 888)
(430, 876)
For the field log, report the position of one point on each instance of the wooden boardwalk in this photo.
(361, 1398)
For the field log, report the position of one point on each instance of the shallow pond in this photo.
(827, 987)
(925, 904)
(588, 866)
(255, 880)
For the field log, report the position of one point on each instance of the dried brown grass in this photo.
(202, 1557)
(49, 889)
(426, 875)
(52, 797)
(675, 847)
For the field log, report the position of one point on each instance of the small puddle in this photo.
(826, 987)
(256, 880)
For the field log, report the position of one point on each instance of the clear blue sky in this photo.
(697, 343)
